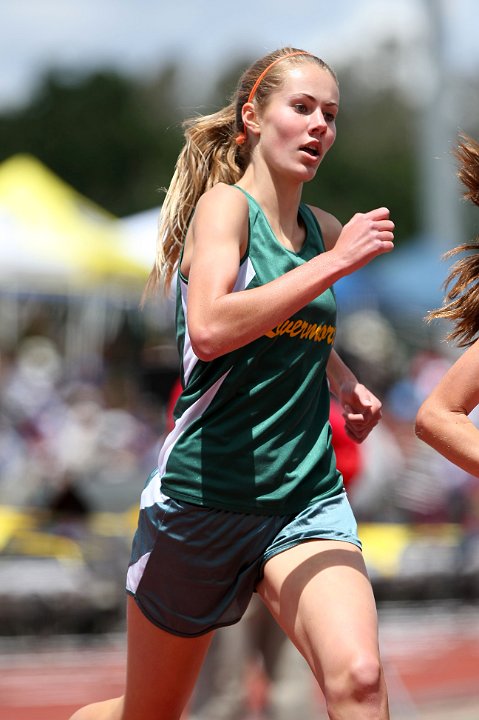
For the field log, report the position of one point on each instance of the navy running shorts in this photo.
(194, 569)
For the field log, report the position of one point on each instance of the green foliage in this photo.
(116, 140)
(103, 134)
(372, 163)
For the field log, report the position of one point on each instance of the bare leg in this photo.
(161, 672)
(320, 594)
(220, 692)
(291, 687)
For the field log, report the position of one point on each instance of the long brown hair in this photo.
(461, 302)
(211, 155)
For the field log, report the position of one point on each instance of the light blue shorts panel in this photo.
(328, 519)
(194, 569)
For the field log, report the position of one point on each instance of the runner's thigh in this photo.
(320, 594)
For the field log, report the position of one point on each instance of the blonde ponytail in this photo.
(210, 155)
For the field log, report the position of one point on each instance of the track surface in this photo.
(431, 658)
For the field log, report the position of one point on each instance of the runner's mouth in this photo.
(314, 152)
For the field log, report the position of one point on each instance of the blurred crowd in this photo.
(60, 431)
(401, 479)
(59, 434)
(78, 443)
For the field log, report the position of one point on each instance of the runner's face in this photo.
(298, 125)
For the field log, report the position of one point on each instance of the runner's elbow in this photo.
(426, 419)
(205, 344)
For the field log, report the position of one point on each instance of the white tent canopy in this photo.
(138, 236)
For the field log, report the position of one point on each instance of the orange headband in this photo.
(267, 69)
(241, 137)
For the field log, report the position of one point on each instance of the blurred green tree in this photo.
(105, 134)
(116, 138)
(372, 163)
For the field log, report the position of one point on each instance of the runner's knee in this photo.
(359, 681)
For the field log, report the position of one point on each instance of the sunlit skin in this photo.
(442, 420)
(319, 591)
(301, 116)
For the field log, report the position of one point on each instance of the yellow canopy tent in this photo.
(54, 239)
(55, 244)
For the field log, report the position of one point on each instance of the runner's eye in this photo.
(301, 108)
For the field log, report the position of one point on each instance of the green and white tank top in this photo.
(252, 431)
